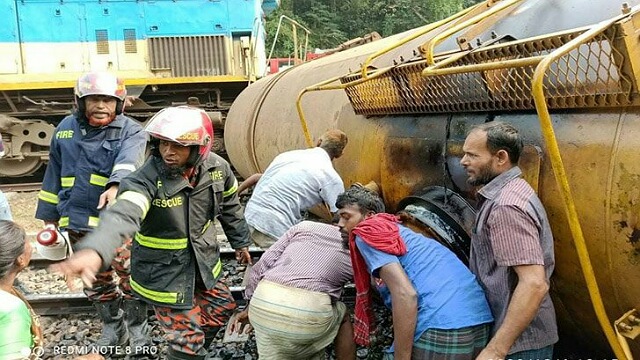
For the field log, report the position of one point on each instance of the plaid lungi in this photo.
(455, 344)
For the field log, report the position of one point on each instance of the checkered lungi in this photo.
(455, 344)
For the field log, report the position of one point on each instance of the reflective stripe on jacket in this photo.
(82, 161)
(172, 226)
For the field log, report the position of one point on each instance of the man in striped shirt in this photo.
(294, 293)
(511, 247)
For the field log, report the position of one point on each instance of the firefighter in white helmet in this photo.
(92, 150)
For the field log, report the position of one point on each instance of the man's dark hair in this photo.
(12, 238)
(502, 136)
(367, 200)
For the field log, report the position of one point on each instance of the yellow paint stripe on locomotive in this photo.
(18, 82)
(182, 80)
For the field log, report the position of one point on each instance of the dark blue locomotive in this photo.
(198, 52)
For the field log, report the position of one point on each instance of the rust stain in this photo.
(635, 236)
(627, 207)
(633, 256)
(408, 165)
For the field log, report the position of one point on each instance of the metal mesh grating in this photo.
(589, 76)
(130, 45)
(102, 42)
(189, 55)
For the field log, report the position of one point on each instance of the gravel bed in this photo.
(40, 281)
(23, 209)
(73, 333)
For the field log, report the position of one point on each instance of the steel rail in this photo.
(21, 187)
(77, 302)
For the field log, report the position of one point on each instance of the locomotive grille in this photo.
(102, 42)
(130, 45)
(189, 55)
(594, 74)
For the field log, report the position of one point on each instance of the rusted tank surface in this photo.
(408, 154)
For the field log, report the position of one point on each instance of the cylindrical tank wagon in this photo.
(407, 123)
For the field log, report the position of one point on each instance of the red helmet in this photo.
(100, 83)
(187, 126)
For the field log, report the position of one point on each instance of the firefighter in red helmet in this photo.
(168, 205)
(92, 150)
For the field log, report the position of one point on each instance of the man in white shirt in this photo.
(294, 182)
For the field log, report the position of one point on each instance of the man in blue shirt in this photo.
(439, 309)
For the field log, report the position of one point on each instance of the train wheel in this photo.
(16, 168)
(26, 143)
(444, 215)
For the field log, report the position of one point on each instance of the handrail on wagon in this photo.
(430, 46)
(294, 26)
(366, 72)
(325, 85)
(428, 28)
(560, 174)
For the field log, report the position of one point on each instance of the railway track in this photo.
(47, 299)
(65, 303)
(21, 187)
(76, 301)
(13, 185)
(60, 301)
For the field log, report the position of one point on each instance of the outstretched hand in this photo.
(243, 256)
(108, 197)
(84, 264)
(241, 319)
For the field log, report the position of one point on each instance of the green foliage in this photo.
(334, 21)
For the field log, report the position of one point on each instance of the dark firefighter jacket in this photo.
(82, 161)
(174, 235)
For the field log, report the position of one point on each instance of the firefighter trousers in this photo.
(185, 329)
